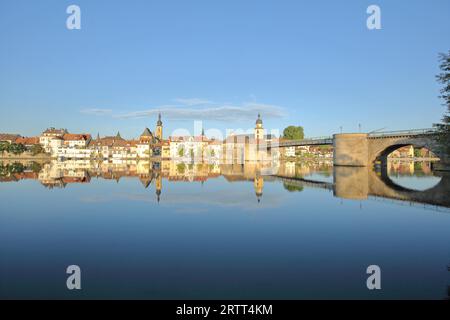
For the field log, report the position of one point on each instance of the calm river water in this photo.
(185, 231)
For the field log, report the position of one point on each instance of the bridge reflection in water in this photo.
(355, 183)
(361, 183)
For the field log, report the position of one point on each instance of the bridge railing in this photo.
(402, 132)
(308, 141)
(318, 138)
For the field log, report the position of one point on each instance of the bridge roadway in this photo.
(320, 141)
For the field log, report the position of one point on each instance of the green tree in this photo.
(4, 146)
(16, 167)
(293, 133)
(444, 79)
(181, 167)
(192, 153)
(181, 151)
(37, 149)
(36, 167)
(16, 148)
(292, 188)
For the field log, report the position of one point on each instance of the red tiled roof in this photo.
(27, 140)
(113, 142)
(8, 137)
(76, 137)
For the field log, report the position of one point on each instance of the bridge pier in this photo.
(351, 149)
(351, 182)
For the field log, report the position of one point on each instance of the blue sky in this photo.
(309, 63)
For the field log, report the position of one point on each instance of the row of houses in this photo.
(61, 144)
(18, 139)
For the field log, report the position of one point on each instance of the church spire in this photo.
(159, 128)
(259, 120)
(159, 122)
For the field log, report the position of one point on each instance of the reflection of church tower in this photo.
(158, 185)
(159, 128)
(259, 130)
(258, 184)
(145, 179)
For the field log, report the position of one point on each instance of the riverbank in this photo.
(25, 157)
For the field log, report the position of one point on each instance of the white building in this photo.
(53, 145)
(76, 140)
(214, 150)
(289, 151)
(188, 147)
(50, 134)
(73, 153)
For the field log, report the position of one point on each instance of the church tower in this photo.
(258, 184)
(259, 130)
(159, 128)
(158, 187)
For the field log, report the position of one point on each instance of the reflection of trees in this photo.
(36, 167)
(181, 167)
(292, 188)
(326, 173)
(11, 168)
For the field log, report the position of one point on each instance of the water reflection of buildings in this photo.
(60, 174)
(345, 182)
(408, 167)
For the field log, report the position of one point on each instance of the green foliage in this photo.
(444, 79)
(6, 170)
(3, 170)
(36, 167)
(292, 188)
(181, 167)
(16, 148)
(37, 149)
(293, 133)
(417, 153)
(4, 146)
(192, 153)
(325, 148)
(181, 152)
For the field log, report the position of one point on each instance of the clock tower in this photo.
(159, 128)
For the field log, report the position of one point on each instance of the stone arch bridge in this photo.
(363, 149)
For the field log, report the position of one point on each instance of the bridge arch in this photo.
(382, 185)
(389, 182)
(380, 148)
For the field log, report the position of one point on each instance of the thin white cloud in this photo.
(199, 109)
(97, 112)
(192, 101)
